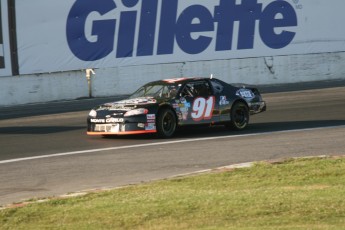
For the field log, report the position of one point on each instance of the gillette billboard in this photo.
(77, 34)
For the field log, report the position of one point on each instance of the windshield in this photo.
(158, 90)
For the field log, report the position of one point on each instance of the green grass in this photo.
(298, 194)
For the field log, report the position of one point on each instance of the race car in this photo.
(163, 106)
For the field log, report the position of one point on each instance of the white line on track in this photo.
(161, 143)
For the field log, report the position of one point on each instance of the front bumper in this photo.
(120, 128)
(257, 107)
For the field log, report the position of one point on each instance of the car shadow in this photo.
(266, 127)
(219, 130)
(185, 132)
(39, 130)
(293, 125)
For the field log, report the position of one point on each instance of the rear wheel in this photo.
(239, 116)
(166, 123)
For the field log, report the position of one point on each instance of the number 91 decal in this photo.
(202, 108)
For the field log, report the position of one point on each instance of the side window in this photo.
(202, 89)
(188, 90)
(164, 92)
(217, 86)
(197, 89)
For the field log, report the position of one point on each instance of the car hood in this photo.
(128, 104)
(137, 101)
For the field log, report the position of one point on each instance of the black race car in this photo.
(163, 106)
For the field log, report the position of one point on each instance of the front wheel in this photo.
(166, 123)
(239, 116)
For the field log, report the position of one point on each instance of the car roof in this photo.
(182, 80)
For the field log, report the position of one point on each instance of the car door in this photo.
(222, 99)
(198, 105)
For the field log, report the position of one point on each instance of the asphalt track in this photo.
(47, 155)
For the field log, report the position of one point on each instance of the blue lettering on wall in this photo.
(138, 29)
(80, 46)
(147, 27)
(185, 27)
(269, 22)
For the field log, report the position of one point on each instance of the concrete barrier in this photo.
(71, 85)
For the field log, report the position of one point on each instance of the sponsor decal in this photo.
(245, 93)
(175, 105)
(97, 120)
(151, 121)
(150, 126)
(114, 120)
(183, 108)
(179, 115)
(223, 100)
(141, 125)
(108, 120)
(133, 28)
(151, 116)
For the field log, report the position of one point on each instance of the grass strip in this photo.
(297, 194)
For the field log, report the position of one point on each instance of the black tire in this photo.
(239, 116)
(166, 123)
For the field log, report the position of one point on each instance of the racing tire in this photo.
(239, 116)
(166, 123)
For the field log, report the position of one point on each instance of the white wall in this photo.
(124, 80)
(68, 36)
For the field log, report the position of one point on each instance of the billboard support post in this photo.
(89, 73)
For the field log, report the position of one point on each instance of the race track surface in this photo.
(50, 154)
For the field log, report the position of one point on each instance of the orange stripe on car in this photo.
(121, 133)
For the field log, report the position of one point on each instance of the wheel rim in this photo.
(168, 123)
(240, 117)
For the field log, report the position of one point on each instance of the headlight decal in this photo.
(136, 112)
(93, 113)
